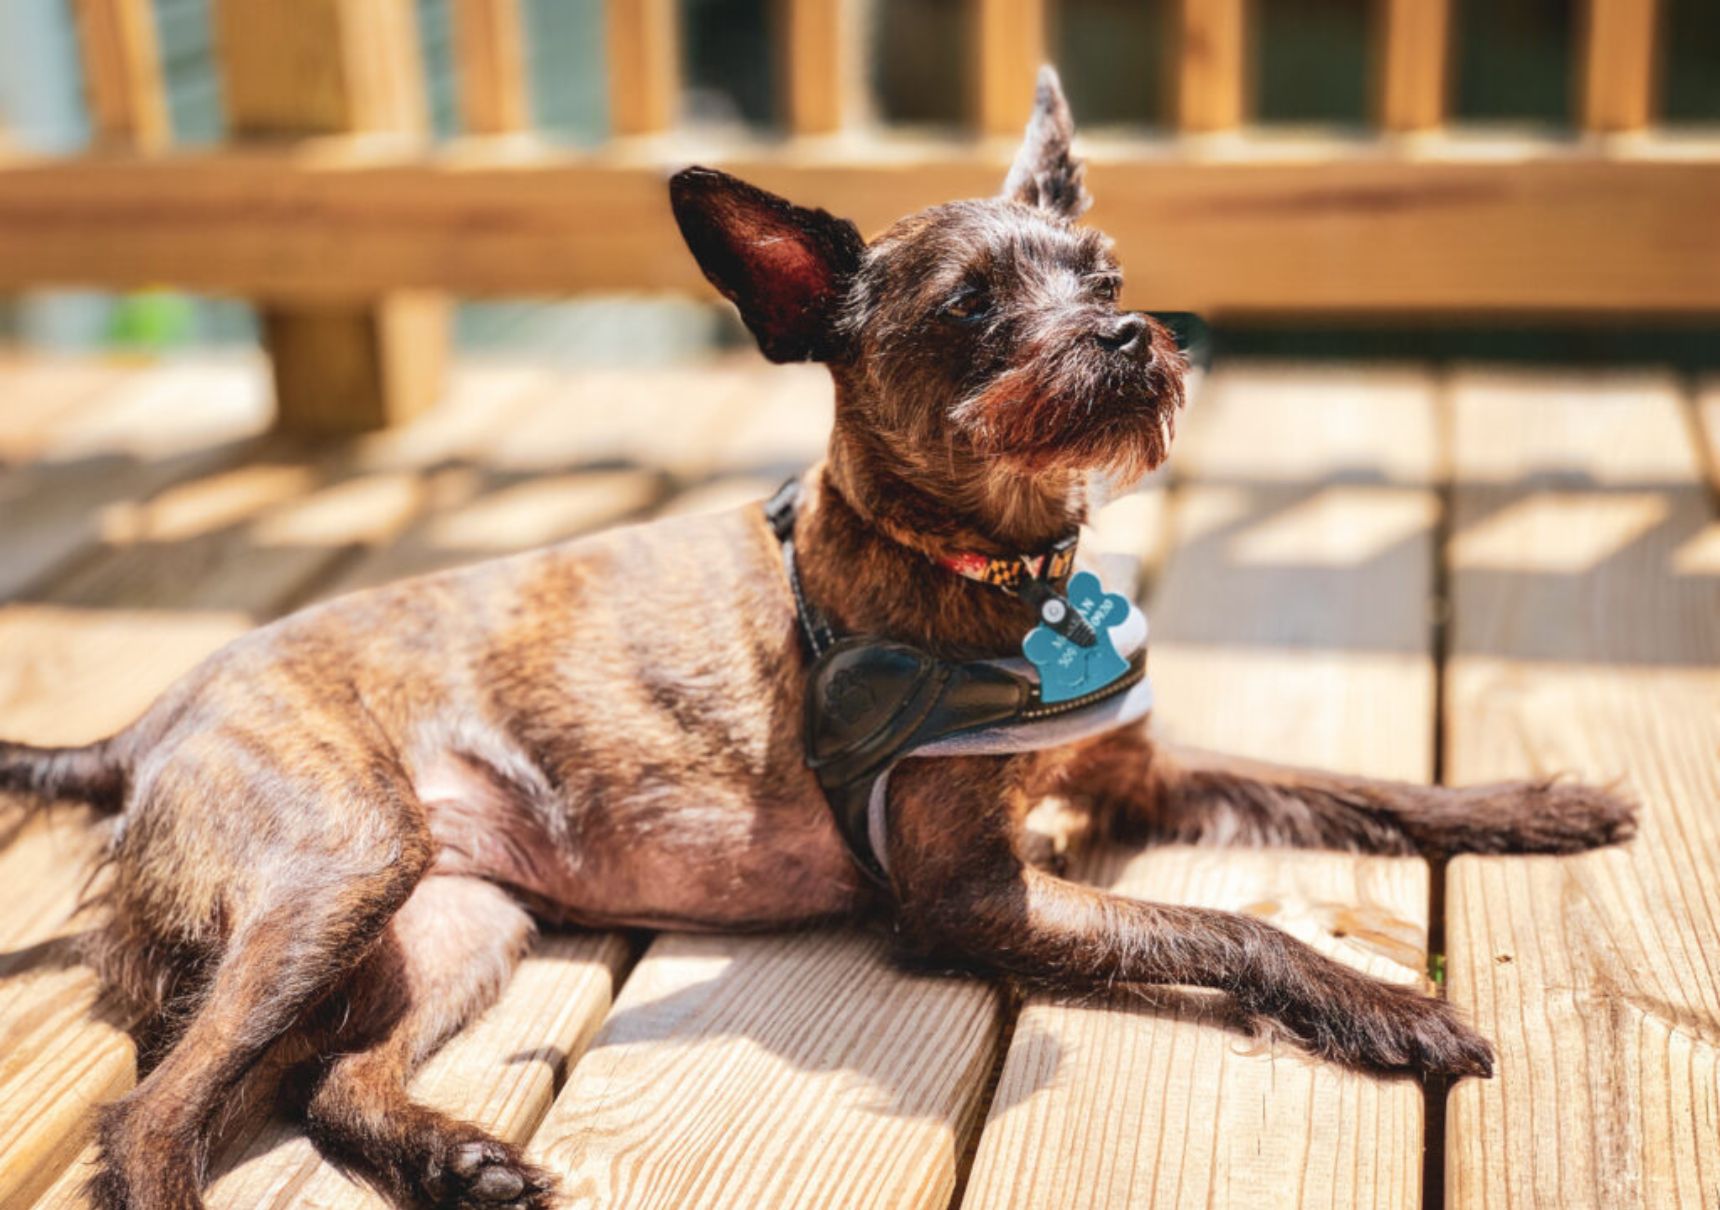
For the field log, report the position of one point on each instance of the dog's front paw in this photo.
(1385, 1028)
(1569, 817)
(1529, 817)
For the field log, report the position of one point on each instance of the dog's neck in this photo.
(946, 502)
(869, 536)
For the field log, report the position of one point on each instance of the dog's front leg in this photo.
(963, 889)
(1143, 789)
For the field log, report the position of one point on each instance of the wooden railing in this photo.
(331, 208)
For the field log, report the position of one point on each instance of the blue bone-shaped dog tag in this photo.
(1067, 670)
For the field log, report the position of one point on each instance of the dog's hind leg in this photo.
(445, 958)
(154, 1141)
(277, 856)
(1143, 789)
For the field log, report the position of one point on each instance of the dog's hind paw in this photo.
(483, 1173)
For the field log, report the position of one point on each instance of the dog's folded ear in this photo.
(787, 268)
(1046, 173)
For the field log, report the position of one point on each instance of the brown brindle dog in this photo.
(330, 840)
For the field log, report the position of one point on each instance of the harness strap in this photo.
(780, 511)
(872, 702)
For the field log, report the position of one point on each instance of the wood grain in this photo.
(1413, 57)
(644, 61)
(122, 73)
(1308, 230)
(1587, 641)
(1290, 623)
(800, 1070)
(1620, 74)
(490, 63)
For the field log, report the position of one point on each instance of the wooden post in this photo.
(122, 73)
(489, 54)
(1011, 42)
(644, 41)
(308, 67)
(1618, 64)
(1212, 52)
(820, 60)
(1413, 59)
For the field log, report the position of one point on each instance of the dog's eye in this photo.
(968, 306)
(1107, 288)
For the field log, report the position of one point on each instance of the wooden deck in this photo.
(1410, 570)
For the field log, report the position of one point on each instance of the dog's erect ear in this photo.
(787, 268)
(1045, 173)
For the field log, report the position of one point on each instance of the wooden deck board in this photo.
(135, 437)
(40, 394)
(792, 1070)
(1291, 623)
(1587, 640)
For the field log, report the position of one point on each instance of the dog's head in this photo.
(978, 344)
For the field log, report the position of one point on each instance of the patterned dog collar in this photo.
(1012, 571)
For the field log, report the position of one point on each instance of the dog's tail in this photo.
(92, 774)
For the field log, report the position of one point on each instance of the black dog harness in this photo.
(872, 702)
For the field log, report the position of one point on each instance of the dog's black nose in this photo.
(1123, 333)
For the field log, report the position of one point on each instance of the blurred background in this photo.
(1508, 70)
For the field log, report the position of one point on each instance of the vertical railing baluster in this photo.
(820, 54)
(490, 67)
(292, 68)
(644, 43)
(1010, 46)
(1618, 57)
(1211, 68)
(122, 73)
(1412, 58)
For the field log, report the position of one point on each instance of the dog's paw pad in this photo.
(484, 1174)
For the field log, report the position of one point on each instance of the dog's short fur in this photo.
(332, 838)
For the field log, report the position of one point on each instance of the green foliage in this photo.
(155, 319)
